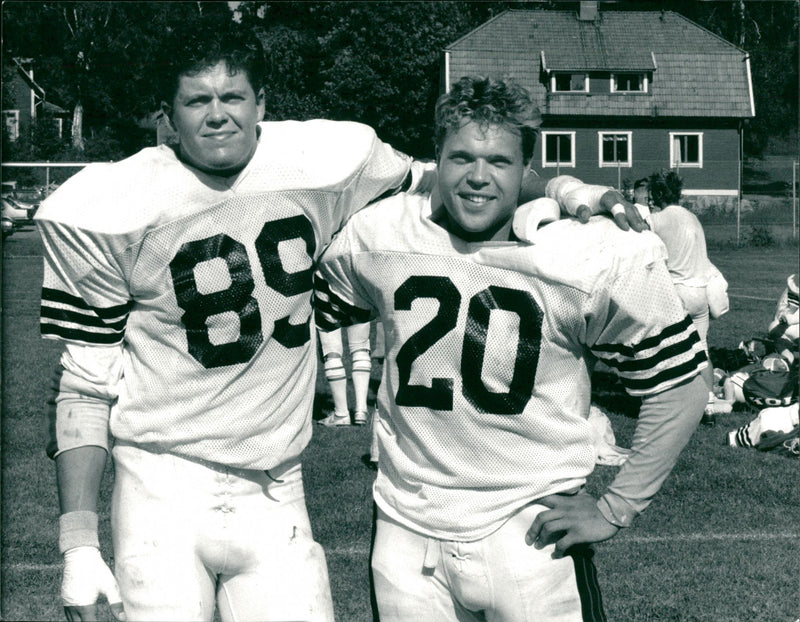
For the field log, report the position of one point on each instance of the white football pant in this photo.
(189, 535)
(496, 579)
(695, 301)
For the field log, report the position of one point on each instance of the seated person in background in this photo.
(484, 441)
(784, 330)
(771, 374)
(773, 428)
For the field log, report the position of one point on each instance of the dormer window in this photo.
(569, 83)
(628, 83)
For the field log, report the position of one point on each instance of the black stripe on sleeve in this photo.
(649, 342)
(63, 315)
(58, 296)
(651, 362)
(673, 373)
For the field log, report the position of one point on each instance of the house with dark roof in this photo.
(27, 102)
(622, 93)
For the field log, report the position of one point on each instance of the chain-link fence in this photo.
(44, 175)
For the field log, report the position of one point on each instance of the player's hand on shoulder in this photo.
(569, 520)
(624, 213)
(86, 578)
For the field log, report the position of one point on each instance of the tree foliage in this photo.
(96, 57)
(375, 62)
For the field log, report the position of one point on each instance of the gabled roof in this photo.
(48, 107)
(694, 72)
(32, 85)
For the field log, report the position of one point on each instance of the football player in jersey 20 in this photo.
(484, 441)
(180, 281)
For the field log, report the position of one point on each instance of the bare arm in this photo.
(80, 447)
(79, 472)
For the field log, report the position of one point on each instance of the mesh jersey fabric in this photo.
(208, 284)
(682, 234)
(486, 385)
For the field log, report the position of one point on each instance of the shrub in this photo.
(760, 236)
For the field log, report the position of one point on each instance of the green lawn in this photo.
(719, 543)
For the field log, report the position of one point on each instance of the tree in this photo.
(377, 63)
(96, 57)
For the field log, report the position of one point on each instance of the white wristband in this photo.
(617, 208)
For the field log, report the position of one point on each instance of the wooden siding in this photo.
(22, 101)
(650, 153)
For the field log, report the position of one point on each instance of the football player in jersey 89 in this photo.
(180, 281)
(484, 441)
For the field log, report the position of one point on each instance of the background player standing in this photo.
(484, 440)
(698, 282)
(180, 281)
(332, 346)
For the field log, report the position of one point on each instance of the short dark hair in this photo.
(488, 101)
(665, 188)
(191, 48)
(640, 182)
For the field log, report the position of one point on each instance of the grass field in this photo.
(721, 542)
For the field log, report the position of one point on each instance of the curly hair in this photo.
(665, 188)
(488, 101)
(191, 48)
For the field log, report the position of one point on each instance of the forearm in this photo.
(570, 192)
(79, 473)
(581, 201)
(666, 423)
(83, 392)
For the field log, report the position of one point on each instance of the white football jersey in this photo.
(486, 386)
(208, 284)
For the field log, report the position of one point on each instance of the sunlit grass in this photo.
(719, 543)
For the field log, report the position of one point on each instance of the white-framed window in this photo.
(686, 149)
(629, 83)
(614, 149)
(569, 83)
(11, 121)
(558, 149)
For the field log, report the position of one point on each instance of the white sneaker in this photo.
(335, 420)
(360, 417)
